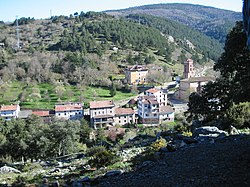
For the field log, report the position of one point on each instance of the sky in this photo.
(9, 9)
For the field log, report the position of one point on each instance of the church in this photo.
(191, 83)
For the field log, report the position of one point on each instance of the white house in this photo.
(69, 110)
(9, 112)
(166, 114)
(161, 97)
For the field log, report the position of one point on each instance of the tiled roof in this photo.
(124, 111)
(42, 113)
(101, 104)
(103, 116)
(153, 90)
(198, 79)
(166, 109)
(8, 107)
(60, 108)
(149, 100)
(137, 68)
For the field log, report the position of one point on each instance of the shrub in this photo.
(101, 156)
(239, 115)
(158, 144)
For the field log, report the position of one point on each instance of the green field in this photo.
(44, 96)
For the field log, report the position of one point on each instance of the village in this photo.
(152, 107)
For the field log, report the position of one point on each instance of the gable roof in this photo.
(101, 104)
(61, 108)
(149, 100)
(166, 110)
(153, 90)
(42, 113)
(8, 107)
(198, 79)
(124, 111)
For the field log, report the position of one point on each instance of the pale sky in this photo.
(9, 9)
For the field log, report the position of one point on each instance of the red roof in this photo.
(124, 111)
(101, 104)
(8, 107)
(60, 108)
(153, 90)
(41, 113)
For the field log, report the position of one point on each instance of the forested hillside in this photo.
(213, 22)
(65, 57)
(211, 48)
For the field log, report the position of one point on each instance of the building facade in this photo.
(9, 112)
(102, 113)
(136, 74)
(150, 111)
(69, 110)
(160, 95)
(189, 70)
(124, 116)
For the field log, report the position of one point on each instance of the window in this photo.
(155, 114)
(110, 111)
(124, 117)
(79, 112)
(146, 114)
(102, 112)
(59, 114)
(119, 121)
(95, 113)
(65, 114)
(76, 113)
(125, 121)
(99, 112)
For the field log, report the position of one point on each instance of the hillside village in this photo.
(153, 105)
(132, 97)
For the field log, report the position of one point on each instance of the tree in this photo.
(113, 90)
(232, 87)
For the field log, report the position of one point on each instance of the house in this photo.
(136, 74)
(166, 114)
(148, 110)
(102, 113)
(69, 110)
(9, 112)
(151, 112)
(160, 95)
(44, 114)
(124, 116)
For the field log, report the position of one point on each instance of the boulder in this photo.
(7, 169)
(113, 173)
(208, 131)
